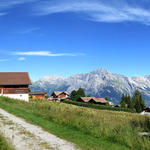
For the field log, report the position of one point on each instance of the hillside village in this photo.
(63, 109)
(16, 85)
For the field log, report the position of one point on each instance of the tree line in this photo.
(75, 95)
(136, 102)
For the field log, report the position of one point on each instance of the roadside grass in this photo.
(89, 129)
(4, 144)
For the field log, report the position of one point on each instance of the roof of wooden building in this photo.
(14, 78)
(59, 92)
(86, 99)
(98, 100)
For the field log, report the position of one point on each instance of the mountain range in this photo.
(98, 83)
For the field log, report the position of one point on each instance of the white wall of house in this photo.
(24, 97)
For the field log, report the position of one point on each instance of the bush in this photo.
(96, 106)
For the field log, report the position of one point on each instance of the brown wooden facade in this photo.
(14, 90)
(38, 95)
(62, 95)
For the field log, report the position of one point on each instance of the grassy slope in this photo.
(89, 129)
(3, 144)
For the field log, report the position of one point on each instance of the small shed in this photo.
(38, 95)
(147, 109)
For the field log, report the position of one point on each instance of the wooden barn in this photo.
(85, 99)
(100, 101)
(15, 85)
(38, 95)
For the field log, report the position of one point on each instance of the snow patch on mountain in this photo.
(99, 83)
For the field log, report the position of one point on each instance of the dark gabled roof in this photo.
(59, 92)
(14, 78)
(86, 99)
(97, 100)
(100, 100)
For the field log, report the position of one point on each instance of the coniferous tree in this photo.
(81, 92)
(122, 98)
(106, 98)
(135, 98)
(138, 102)
(129, 102)
(142, 103)
(73, 95)
(123, 101)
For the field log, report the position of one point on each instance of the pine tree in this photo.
(106, 98)
(142, 103)
(123, 104)
(138, 102)
(129, 102)
(123, 101)
(80, 92)
(73, 95)
(135, 98)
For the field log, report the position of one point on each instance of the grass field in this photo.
(90, 129)
(4, 145)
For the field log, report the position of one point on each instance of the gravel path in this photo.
(25, 136)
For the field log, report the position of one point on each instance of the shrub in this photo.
(96, 106)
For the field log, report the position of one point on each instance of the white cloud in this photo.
(98, 10)
(45, 53)
(21, 58)
(94, 10)
(29, 30)
(10, 3)
(3, 13)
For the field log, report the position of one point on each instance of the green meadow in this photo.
(89, 129)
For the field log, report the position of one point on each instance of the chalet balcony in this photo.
(14, 91)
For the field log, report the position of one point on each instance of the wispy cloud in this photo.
(3, 13)
(99, 10)
(21, 58)
(10, 3)
(29, 30)
(45, 53)
(94, 10)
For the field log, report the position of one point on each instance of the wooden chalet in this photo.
(38, 95)
(59, 96)
(15, 85)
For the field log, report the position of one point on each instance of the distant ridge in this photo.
(98, 83)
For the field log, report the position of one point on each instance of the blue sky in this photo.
(65, 37)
